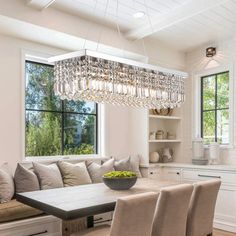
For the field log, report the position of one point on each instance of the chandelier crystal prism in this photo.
(92, 76)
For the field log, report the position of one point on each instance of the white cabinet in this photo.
(225, 214)
(43, 226)
(171, 174)
(154, 173)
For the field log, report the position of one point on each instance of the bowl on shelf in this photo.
(120, 180)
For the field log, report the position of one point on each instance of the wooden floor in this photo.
(222, 233)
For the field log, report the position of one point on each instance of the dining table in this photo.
(80, 203)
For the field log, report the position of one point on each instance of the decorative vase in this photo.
(214, 153)
(198, 152)
(160, 134)
(152, 136)
(167, 155)
(154, 157)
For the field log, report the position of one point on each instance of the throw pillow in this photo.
(25, 180)
(135, 162)
(6, 184)
(49, 176)
(123, 164)
(96, 171)
(74, 174)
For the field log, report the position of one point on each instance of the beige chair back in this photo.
(171, 211)
(133, 215)
(202, 208)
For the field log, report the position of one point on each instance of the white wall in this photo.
(197, 63)
(126, 131)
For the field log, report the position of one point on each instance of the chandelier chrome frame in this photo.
(93, 76)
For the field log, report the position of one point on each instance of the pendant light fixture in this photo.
(92, 76)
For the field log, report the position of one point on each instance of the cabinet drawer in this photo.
(204, 175)
(173, 174)
(104, 218)
(154, 173)
(34, 229)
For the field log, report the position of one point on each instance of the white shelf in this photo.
(165, 117)
(165, 141)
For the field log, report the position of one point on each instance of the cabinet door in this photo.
(226, 205)
(171, 174)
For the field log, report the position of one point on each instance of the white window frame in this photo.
(197, 102)
(42, 58)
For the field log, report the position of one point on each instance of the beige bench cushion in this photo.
(14, 210)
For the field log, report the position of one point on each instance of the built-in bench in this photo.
(17, 219)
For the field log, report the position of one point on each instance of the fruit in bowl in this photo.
(120, 180)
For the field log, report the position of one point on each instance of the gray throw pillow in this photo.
(7, 189)
(96, 171)
(123, 164)
(49, 176)
(25, 180)
(74, 174)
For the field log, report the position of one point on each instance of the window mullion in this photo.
(202, 135)
(62, 127)
(216, 105)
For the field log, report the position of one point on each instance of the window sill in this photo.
(91, 157)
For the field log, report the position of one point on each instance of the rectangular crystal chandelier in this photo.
(92, 76)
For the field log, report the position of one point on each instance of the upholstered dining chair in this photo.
(202, 208)
(132, 217)
(171, 212)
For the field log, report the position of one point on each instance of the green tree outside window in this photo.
(56, 127)
(215, 108)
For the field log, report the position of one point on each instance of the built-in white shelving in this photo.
(165, 117)
(165, 141)
(170, 124)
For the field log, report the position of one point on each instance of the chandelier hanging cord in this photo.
(88, 28)
(101, 28)
(148, 16)
(118, 30)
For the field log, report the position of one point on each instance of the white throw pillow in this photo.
(123, 164)
(135, 163)
(74, 174)
(131, 163)
(7, 188)
(96, 171)
(49, 175)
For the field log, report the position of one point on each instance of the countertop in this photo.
(191, 166)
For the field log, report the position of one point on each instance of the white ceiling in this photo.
(183, 24)
(118, 11)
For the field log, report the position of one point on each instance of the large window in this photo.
(215, 108)
(53, 126)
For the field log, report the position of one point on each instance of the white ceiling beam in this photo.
(184, 12)
(40, 4)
